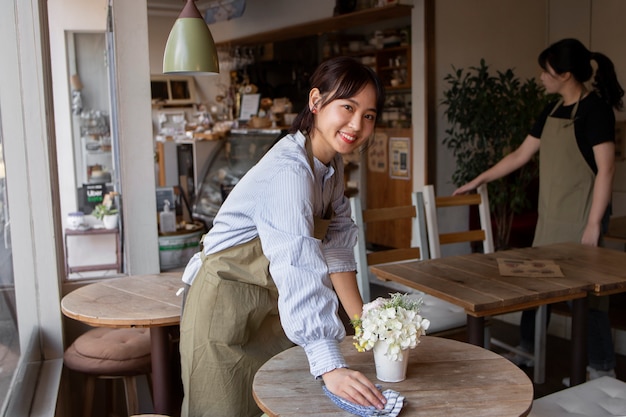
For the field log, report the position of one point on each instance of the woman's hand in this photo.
(354, 387)
(591, 234)
(466, 188)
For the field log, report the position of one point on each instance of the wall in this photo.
(510, 34)
(607, 35)
(77, 16)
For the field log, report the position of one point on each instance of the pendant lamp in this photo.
(190, 48)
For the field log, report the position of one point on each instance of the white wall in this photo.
(78, 16)
(131, 90)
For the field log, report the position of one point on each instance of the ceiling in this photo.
(173, 7)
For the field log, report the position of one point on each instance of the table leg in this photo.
(161, 375)
(476, 330)
(579, 342)
(541, 318)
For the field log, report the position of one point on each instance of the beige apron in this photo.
(565, 184)
(230, 327)
(565, 189)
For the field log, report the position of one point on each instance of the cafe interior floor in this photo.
(557, 352)
(557, 358)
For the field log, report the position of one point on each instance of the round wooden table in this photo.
(445, 378)
(135, 301)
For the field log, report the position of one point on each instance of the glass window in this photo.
(9, 337)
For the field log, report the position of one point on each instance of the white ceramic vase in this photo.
(388, 370)
(110, 221)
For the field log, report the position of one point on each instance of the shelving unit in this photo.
(394, 64)
(320, 26)
(391, 62)
(97, 157)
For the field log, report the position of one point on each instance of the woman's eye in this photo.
(370, 116)
(347, 107)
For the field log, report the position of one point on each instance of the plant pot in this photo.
(388, 370)
(110, 221)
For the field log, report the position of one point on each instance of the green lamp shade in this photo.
(190, 48)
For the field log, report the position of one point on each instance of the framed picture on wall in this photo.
(172, 89)
(399, 158)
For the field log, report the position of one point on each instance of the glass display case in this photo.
(235, 155)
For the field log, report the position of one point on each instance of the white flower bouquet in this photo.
(395, 320)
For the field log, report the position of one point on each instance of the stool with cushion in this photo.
(602, 397)
(111, 354)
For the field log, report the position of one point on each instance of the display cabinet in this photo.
(237, 153)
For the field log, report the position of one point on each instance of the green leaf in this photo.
(490, 114)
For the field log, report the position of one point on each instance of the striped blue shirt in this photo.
(277, 201)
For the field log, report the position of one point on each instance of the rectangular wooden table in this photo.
(474, 283)
(135, 301)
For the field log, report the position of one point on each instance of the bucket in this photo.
(176, 250)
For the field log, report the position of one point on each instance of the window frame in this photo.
(28, 142)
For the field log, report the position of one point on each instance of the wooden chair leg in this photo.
(132, 402)
(90, 386)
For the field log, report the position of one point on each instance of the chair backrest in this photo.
(435, 239)
(418, 249)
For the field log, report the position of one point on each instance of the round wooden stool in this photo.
(111, 354)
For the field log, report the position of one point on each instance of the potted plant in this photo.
(490, 116)
(390, 327)
(106, 213)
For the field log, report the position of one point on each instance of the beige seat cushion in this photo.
(602, 397)
(110, 352)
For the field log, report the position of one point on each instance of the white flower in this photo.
(395, 320)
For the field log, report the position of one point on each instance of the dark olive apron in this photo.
(565, 184)
(230, 327)
(565, 189)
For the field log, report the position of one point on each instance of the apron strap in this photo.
(328, 212)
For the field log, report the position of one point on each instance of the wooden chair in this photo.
(445, 317)
(435, 239)
(484, 234)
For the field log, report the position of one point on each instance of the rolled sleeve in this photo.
(324, 356)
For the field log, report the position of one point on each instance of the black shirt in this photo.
(594, 123)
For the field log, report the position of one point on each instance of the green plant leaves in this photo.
(490, 114)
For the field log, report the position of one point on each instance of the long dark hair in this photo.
(338, 78)
(570, 55)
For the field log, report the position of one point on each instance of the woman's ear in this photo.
(314, 99)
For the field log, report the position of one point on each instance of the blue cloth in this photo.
(395, 401)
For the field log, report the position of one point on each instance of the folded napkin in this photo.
(395, 401)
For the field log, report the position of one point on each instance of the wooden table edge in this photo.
(115, 323)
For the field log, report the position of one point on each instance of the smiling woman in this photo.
(284, 232)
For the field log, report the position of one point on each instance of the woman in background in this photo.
(282, 245)
(575, 138)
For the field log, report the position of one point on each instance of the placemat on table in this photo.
(529, 268)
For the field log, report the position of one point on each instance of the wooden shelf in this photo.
(317, 27)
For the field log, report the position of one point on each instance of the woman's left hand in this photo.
(354, 387)
(591, 235)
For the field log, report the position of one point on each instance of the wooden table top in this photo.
(474, 281)
(133, 301)
(445, 377)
